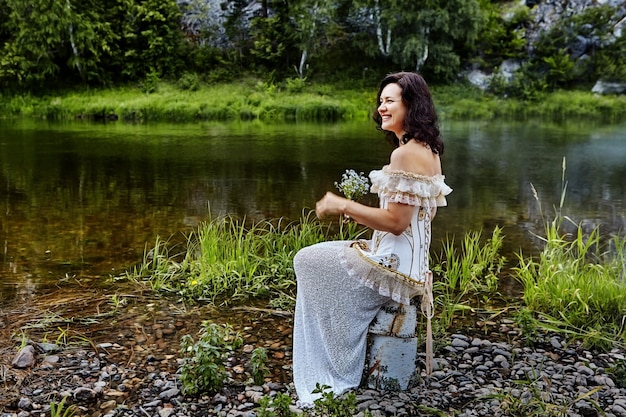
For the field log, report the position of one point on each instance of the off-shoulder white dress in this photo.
(341, 285)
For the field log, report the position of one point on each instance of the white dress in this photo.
(342, 285)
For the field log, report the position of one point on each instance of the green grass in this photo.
(303, 101)
(464, 275)
(576, 285)
(227, 260)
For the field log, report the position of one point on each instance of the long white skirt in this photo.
(333, 313)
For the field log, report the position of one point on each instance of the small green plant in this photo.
(203, 368)
(331, 405)
(276, 407)
(116, 301)
(266, 87)
(151, 83)
(190, 81)
(64, 336)
(59, 410)
(295, 85)
(258, 362)
(619, 373)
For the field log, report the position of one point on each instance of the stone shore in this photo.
(474, 377)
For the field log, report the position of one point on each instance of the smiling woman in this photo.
(342, 285)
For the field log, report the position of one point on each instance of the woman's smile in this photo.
(392, 109)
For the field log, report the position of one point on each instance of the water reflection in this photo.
(83, 200)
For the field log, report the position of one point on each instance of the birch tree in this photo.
(312, 19)
(424, 35)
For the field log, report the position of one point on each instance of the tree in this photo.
(87, 40)
(313, 20)
(427, 35)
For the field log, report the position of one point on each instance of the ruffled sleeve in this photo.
(409, 188)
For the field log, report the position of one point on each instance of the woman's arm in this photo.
(395, 219)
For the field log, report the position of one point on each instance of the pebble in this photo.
(474, 376)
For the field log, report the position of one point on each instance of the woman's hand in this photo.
(330, 204)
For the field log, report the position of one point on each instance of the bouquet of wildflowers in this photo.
(353, 185)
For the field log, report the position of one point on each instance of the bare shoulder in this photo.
(416, 158)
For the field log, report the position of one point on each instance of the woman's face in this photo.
(392, 109)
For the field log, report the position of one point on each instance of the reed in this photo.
(467, 273)
(576, 285)
(227, 260)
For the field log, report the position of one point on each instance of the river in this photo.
(84, 199)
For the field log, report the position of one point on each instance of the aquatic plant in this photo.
(576, 284)
(227, 260)
(466, 272)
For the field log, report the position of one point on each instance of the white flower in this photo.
(353, 185)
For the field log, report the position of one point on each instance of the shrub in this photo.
(203, 368)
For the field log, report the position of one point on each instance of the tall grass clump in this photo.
(227, 260)
(576, 285)
(469, 271)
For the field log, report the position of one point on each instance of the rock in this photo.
(48, 347)
(84, 394)
(25, 358)
(604, 88)
(507, 69)
(479, 79)
(166, 412)
(25, 404)
(168, 394)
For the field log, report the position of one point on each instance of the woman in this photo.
(342, 285)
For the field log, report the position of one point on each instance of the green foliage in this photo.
(295, 85)
(276, 407)
(272, 41)
(59, 410)
(575, 287)
(151, 83)
(331, 405)
(472, 271)
(227, 260)
(502, 37)
(619, 373)
(156, 38)
(525, 85)
(556, 52)
(203, 369)
(430, 37)
(88, 41)
(268, 102)
(610, 61)
(258, 362)
(189, 81)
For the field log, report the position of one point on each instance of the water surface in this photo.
(82, 200)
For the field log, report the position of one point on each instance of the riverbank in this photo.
(127, 365)
(293, 101)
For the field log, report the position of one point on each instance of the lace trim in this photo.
(399, 287)
(410, 188)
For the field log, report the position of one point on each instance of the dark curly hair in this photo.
(421, 122)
